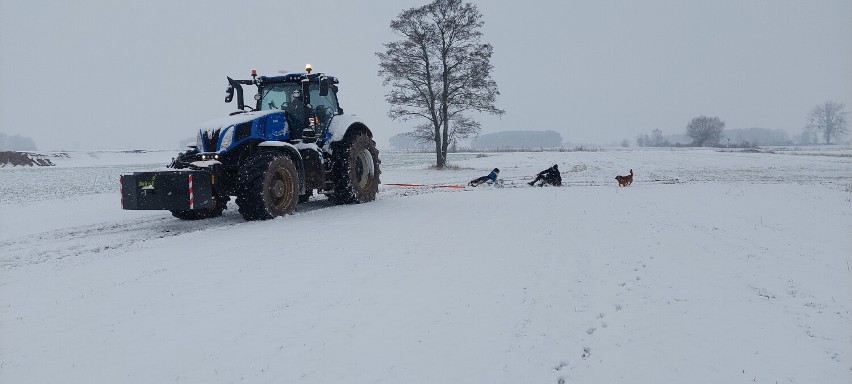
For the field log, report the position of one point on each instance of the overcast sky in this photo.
(94, 74)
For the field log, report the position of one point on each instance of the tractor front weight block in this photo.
(172, 190)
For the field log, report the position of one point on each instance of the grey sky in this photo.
(92, 74)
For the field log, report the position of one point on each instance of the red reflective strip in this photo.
(191, 199)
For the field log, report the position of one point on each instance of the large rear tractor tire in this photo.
(200, 214)
(268, 186)
(355, 168)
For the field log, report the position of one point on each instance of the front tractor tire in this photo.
(356, 170)
(268, 186)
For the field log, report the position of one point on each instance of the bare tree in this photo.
(657, 139)
(705, 130)
(643, 140)
(829, 120)
(461, 127)
(438, 71)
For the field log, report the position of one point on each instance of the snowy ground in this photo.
(713, 267)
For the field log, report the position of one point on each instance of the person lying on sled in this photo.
(548, 176)
(491, 178)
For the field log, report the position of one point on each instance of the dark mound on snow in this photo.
(23, 158)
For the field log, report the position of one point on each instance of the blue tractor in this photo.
(294, 140)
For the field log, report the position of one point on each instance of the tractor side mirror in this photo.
(234, 86)
(323, 86)
(229, 94)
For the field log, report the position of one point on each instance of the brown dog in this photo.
(624, 181)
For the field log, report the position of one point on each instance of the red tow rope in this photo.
(424, 185)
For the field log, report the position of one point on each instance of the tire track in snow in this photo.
(71, 243)
(114, 237)
(95, 239)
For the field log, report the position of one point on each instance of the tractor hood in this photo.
(219, 135)
(225, 122)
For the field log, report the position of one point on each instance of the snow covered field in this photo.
(713, 267)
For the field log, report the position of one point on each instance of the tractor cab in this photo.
(309, 101)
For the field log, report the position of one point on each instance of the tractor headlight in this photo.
(227, 138)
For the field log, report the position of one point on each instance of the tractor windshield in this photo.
(278, 96)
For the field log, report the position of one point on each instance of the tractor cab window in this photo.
(278, 96)
(325, 107)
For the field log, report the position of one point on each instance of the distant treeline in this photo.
(739, 137)
(518, 140)
(499, 141)
(16, 143)
(408, 142)
(757, 136)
